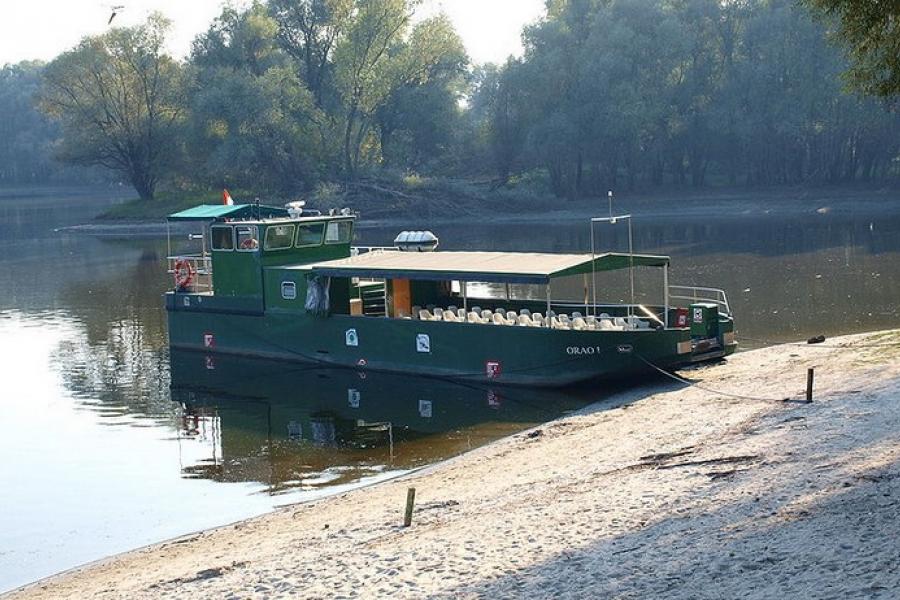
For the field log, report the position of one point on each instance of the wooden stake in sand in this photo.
(410, 500)
(810, 376)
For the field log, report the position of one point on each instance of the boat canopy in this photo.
(491, 267)
(209, 212)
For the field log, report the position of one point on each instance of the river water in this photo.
(106, 448)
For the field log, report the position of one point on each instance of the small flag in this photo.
(226, 198)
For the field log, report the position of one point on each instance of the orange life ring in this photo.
(184, 273)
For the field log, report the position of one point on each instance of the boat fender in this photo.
(184, 273)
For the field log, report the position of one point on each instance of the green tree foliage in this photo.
(376, 58)
(286, 95)
(869, 30)
(309, 30)
(290, 93)
(253, 122)
(650, 92)
(25, 135)
(119, 99)
(418, 122)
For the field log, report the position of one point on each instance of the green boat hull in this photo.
(470, 352)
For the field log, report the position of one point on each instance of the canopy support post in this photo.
(169, 264)
(666, 295)
(586, 311)
(631, 273)
(594, 266)
(465, 285)
(548, 301)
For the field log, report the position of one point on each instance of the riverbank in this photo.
(681, 492)
(132, 219)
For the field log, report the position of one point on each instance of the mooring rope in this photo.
(706, 389)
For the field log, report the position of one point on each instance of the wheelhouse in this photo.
(238, 243)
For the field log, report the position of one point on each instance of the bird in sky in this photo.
(115, 11)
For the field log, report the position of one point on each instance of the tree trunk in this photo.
(348, 141)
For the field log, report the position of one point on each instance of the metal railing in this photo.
(694, 294)
(201, 267)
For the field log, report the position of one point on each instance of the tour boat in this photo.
(287, 284)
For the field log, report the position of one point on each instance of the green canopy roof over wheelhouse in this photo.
(491, 267)
(208, 212)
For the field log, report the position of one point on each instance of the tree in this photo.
(683, 91)
(25, 134)
(309, 31)
(119, 99)
(252, 121)
(869, 30)
(376, 57)
(417, 123)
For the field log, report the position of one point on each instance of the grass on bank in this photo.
(160, 207)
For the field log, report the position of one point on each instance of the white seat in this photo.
(486, 314)
(452, 307)
(605, 316)
(606, 324)
(591, 321)
(620, 322)
(525, 321)
(449, 315)
(577, 315)
(498, 319)
(415, 311)
(476, 309)
(511, 316)
(461, 313)
(579, 324)
(425, 315)
(438, 311)
(538, 319)
(555, 323)
(473, 318)
(525, 312)
(564, 319)
(636, 323)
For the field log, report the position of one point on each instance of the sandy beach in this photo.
(679, 492)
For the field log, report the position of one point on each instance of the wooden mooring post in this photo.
(410, 501)
(810, 377)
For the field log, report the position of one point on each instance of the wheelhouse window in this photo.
(222, 237)
(338, 232)
(279, 237)
(247, 238)
(310, 234)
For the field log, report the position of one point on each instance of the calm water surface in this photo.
(106, 448)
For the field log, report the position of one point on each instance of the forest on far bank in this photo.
(315, 98)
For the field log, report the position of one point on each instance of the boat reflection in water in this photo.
(302, 428)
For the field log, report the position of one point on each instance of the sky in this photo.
(41, 29)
